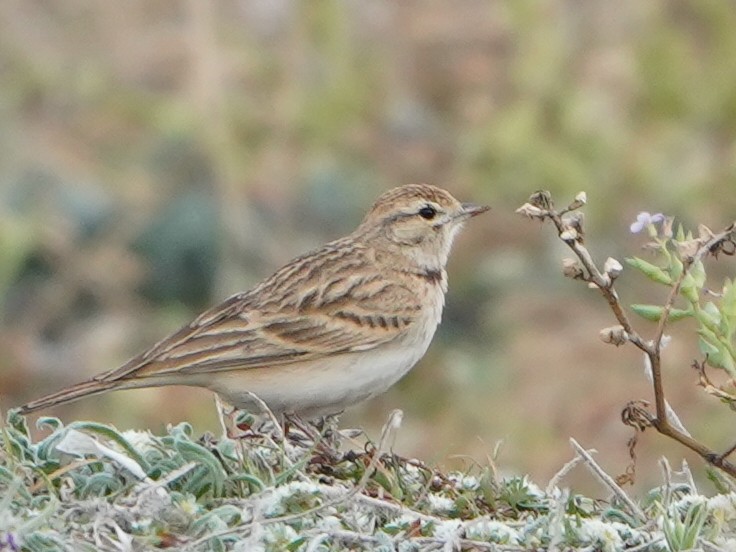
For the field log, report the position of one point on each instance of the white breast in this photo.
(329, 385)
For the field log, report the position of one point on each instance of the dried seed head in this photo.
(569, 235)
(531, 211)
(573, 227)
(667, 231)
(580, 200)
(705, 233)
(575, 220)
(687, 250)
(613, 268)
(615, 335)
(541, 199)
(572, 268)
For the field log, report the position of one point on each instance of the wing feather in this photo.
(323, 315)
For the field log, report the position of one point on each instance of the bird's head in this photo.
(419, 221)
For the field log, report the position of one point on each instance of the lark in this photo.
(332, 328)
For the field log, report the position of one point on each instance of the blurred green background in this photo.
(158, 155)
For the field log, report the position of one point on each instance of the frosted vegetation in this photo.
(87, 486)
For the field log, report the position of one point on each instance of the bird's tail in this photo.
(68, 394)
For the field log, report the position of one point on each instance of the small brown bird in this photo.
(333, 327)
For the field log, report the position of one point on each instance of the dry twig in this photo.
(570, 230)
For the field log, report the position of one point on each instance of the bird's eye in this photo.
(427, 212)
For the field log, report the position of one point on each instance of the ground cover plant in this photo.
(86, 486)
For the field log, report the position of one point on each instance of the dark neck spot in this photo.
(432, 275)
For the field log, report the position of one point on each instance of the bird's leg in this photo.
(320, 432)
(235, 422)
(285, 425)
(226, 415)
(291, 419)
(327, 426)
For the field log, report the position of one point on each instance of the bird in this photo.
(332, 328)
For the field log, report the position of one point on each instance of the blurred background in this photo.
(159, 155)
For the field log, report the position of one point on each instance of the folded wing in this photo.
(322, 319)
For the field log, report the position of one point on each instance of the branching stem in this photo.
(541, 206)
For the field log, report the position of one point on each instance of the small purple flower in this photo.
(645, 219)
(10, 543)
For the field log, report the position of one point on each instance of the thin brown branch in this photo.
(602, 282)
(570, 232)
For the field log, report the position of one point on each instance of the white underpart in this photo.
(331, 384)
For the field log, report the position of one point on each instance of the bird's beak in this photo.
(472, 210)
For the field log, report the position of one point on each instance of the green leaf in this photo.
(707, 348)
(17, 422)
(683, 534)
(697, 271)
(728, 301)
(49, 422)
(709, 317)
(680, 234)
(728, 363)
(252, 480)
(676, 267)
(689, 289)
(99, 484)
(210, 470)
(654, 312)
(651, 271)
(717, 353)
(296, 544)
(113, 434)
